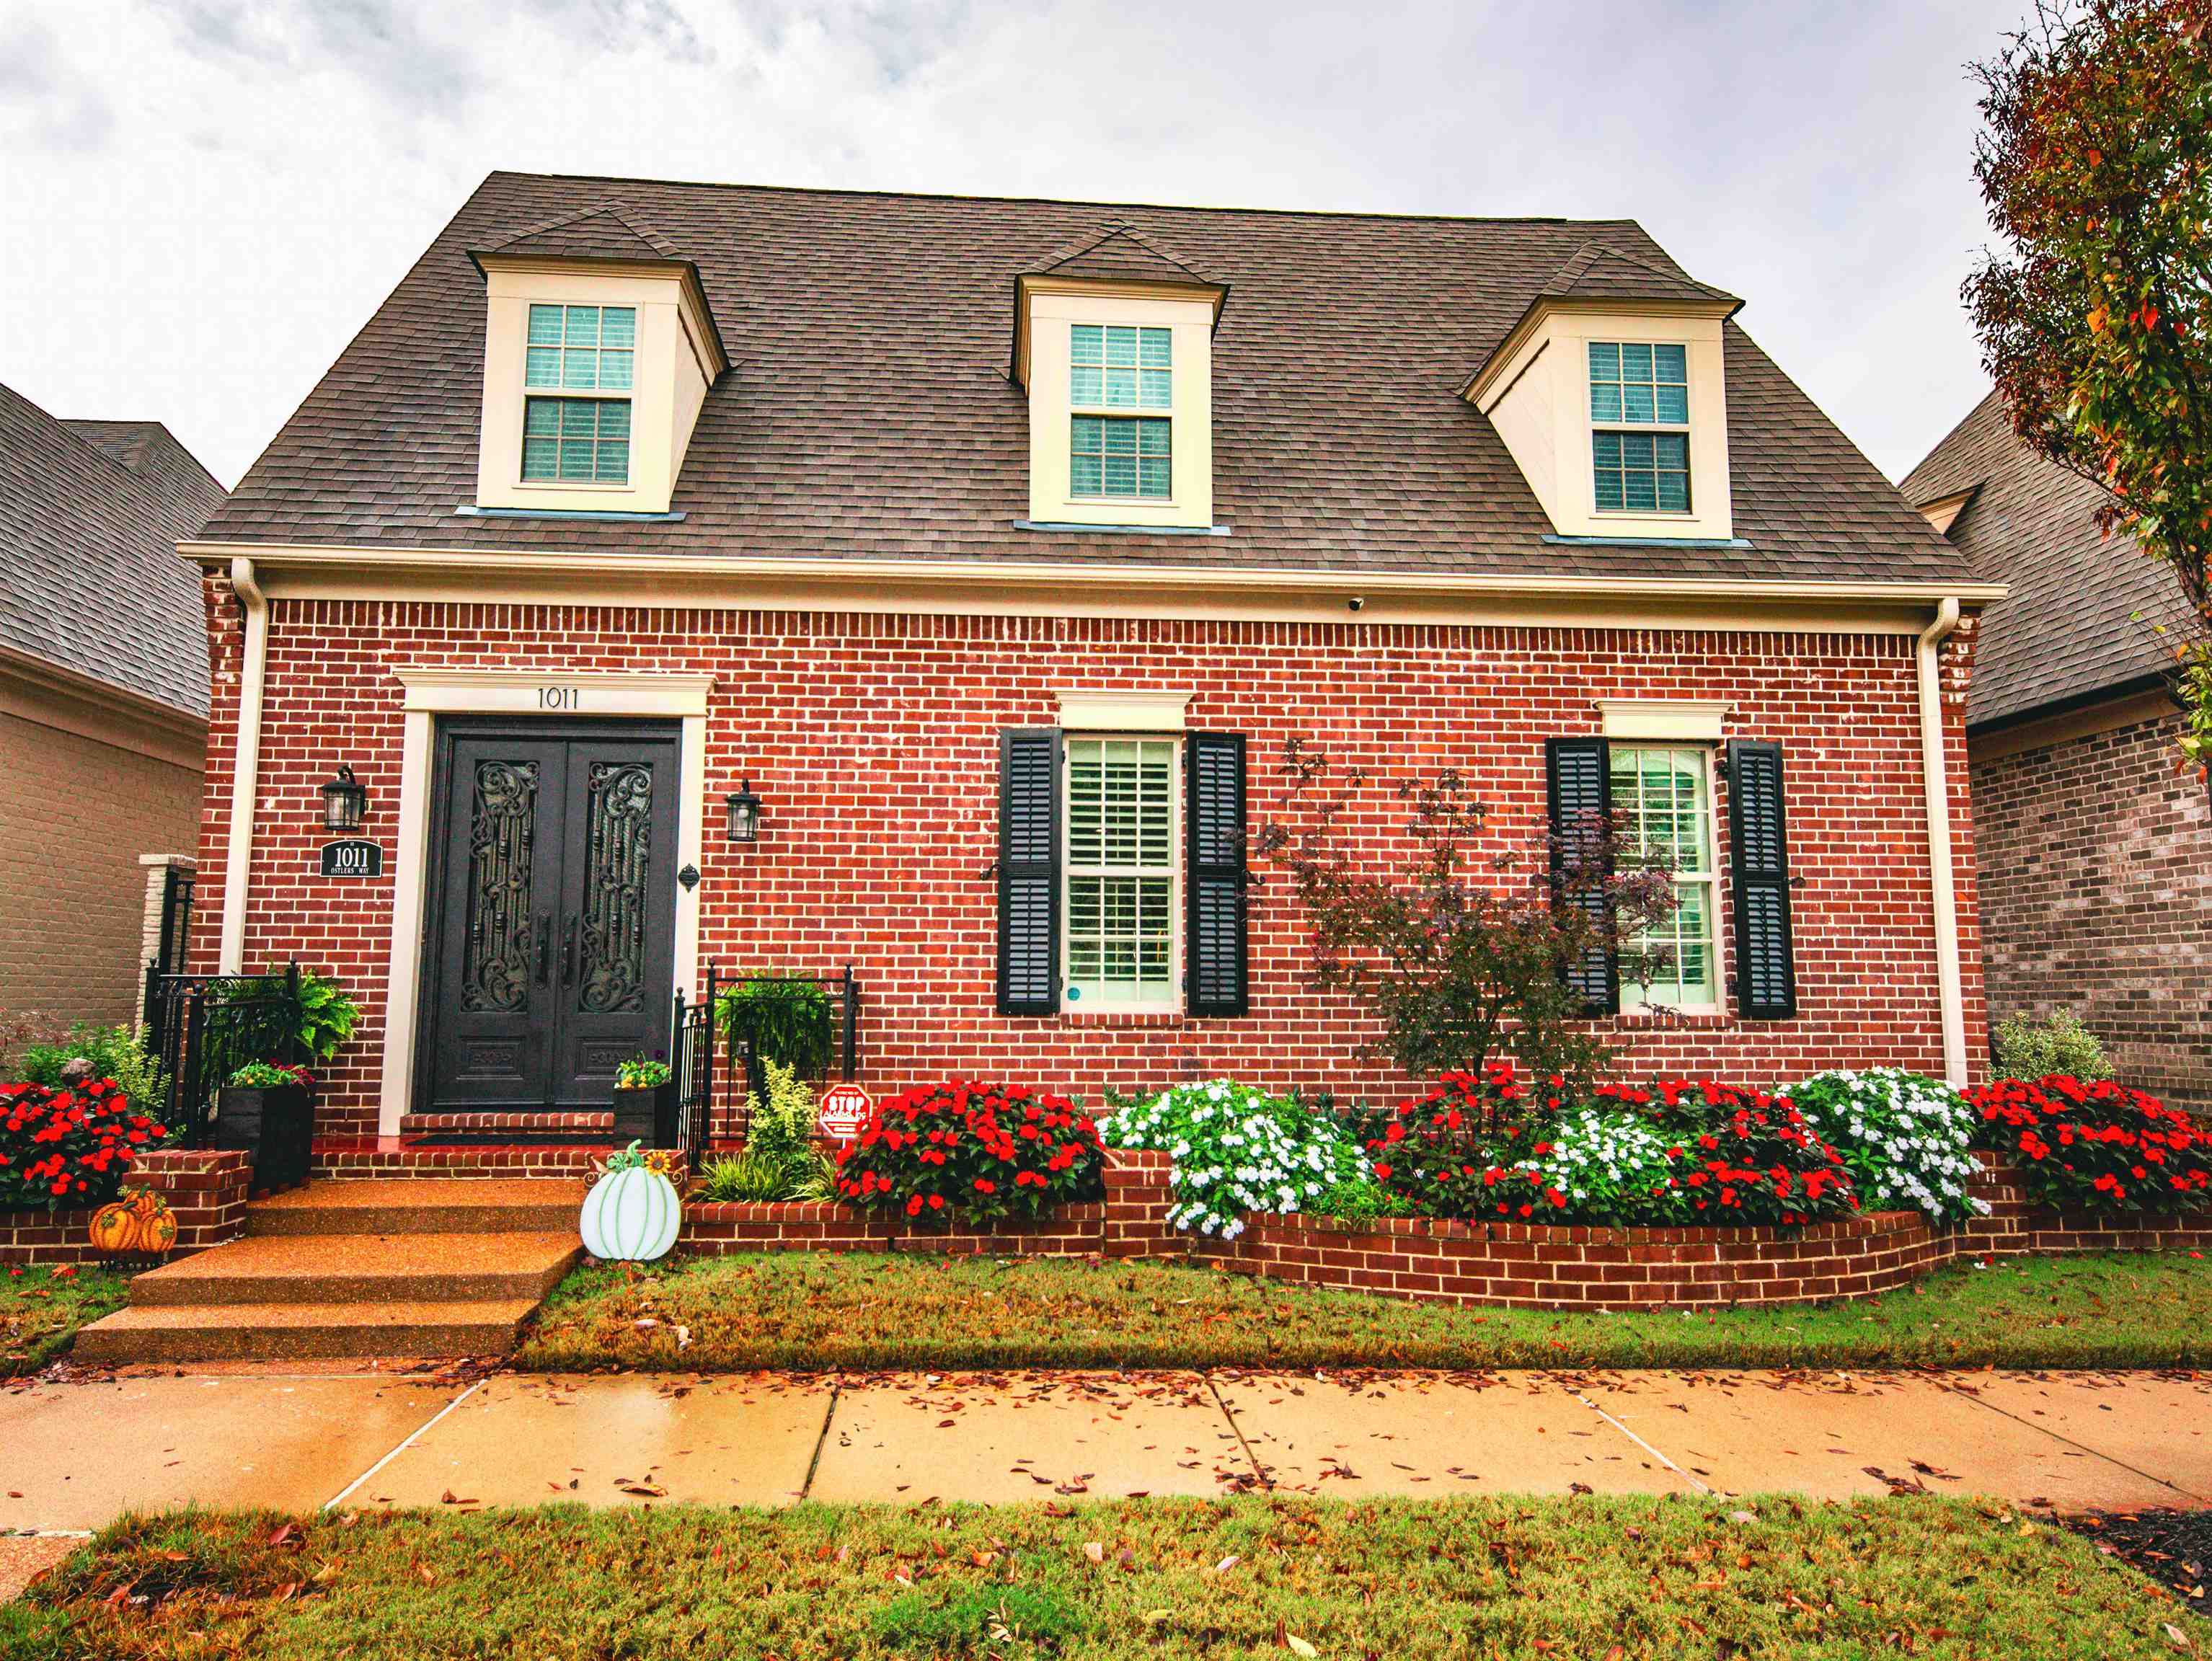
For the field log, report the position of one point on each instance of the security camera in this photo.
(1356, 602)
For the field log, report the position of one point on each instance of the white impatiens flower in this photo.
(1906, 1137)
(1234, 1149)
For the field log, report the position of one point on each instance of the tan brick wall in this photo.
(2096, 883)
(74, 815)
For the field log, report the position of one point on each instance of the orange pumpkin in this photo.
(115, 1230)
(157, 1228)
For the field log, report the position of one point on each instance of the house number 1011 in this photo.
(556, 697)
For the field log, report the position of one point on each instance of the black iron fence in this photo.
(201, 1029)
(707, 1057)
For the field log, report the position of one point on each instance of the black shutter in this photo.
(1581, 798)
(1759, 860)
(1214, 828)
(1029, 871)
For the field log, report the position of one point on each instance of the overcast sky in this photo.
(204, 199)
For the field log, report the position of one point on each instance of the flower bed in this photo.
(206, 1189)
(2097, 1146)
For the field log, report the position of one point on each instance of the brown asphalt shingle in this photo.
(868, 412)
(2082, 615)
(90, 516)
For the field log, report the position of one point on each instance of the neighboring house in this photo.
(2095, 843)
(103, 699)
(994, 548)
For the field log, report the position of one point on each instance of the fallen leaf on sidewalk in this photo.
(650, 1490)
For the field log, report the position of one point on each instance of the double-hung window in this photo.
(1662, 798)
(1639, 402)
(1121, 873)
(578, 374)
(1115, 374)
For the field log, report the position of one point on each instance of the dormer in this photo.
(1611, 396)
(1113, 342)
(598, 350)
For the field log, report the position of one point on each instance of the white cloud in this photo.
(207, 198)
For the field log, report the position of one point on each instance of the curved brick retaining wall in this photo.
(1533, 1264)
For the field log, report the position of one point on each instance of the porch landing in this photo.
(419, 1266)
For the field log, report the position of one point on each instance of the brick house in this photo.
(2096, 847)
(103, 701)
(993, 549)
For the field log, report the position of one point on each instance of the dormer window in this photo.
(1113, 366)
(599, 352)
(1639, 403)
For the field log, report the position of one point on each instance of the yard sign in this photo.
(845, 1108)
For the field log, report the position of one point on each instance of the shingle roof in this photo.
(90, 578)
(596, 232)
(1121, 254)
(2080, 619)
(868, 411)
(1599, 272)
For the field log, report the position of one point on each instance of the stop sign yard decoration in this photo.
(845, 1108)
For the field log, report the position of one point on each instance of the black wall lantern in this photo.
(345, 803)
(744, 815)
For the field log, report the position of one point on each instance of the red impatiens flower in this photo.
(964, 1151)
(67, 1146)
(2096, 1144)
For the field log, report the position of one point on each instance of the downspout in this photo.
(1933, 772)
(245, 764)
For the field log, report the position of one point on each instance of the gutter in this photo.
(1950, 993)
(245, 767)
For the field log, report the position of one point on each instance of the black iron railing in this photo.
(201, 1029)
(691, 1063)
(705, 1057)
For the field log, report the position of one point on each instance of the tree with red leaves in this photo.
(2096, 162)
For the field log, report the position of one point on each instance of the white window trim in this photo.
(1097, 714)
(1631, 994)
(1664, 720)
(526, 392)
(1172, 1003)
(1626, 426)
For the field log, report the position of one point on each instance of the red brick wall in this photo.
(872, 742)
(206, 1188)
(2098, 897)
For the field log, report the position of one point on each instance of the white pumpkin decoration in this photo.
(631, 1213)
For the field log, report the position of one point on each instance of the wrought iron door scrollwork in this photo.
(619, 855)
(502, 827)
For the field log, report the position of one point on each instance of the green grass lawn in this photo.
(40, 1311)
(813, 1310)
(1581, 1577)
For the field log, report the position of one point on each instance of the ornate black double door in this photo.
(553, 910)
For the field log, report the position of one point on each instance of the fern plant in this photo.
(786, 1019)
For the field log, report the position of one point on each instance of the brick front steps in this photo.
(413, 1267)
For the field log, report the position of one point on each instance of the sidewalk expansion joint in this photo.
(406, 1442)
(821, 1438)
(1688, 1477)
(1259, 1471)
(2061, 1436)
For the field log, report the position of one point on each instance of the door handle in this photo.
(544, 946)
(568, 951)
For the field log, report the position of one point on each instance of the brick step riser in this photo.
(555, 1218)
(290, 1343)
(183, 1293)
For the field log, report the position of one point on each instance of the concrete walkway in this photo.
(73, 1456)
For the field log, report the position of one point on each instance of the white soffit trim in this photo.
(1673, 720)
(552, 692)
(1123, 712)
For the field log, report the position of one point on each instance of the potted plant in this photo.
(265, 1109)
(645, 1102)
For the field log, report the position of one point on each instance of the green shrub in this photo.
(114, 1051)
(745, 1177)
(783, 1128)
(2059, 1046)
(1904, 1139)
(781, 1019)
(1360, 1199)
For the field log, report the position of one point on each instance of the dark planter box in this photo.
(647, 1116)
(274, 1127)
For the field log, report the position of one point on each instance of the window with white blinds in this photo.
(578, 348)
(1115, 367)
(1121, 873)
(1662, 799)
(1639, 402)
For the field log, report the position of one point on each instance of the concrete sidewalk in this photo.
(74, 1456)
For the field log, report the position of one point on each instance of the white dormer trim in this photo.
(1535, 390)
(677, 357)
(1045, 309)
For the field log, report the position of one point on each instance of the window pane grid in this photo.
(1663, 798)
(1117, 456)
(1640, 384)
(576, 440)
(1120, 869)
(1641, 472)
(1114, 366)
(582, 348)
